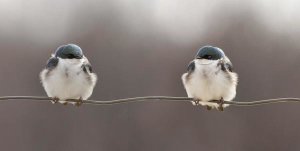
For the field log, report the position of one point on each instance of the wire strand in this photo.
(153, 98)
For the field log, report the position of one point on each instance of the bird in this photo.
(68, 75)
(210, 77)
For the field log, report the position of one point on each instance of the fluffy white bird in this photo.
(68, 75)
(210, 77)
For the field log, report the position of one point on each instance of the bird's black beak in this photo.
(76, 55)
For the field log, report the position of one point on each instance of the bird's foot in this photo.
(79, 102)
(208, 108)
(54, 100)
(220, 103)
(196, 102)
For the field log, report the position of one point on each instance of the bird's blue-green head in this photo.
(210, 53)
(69, 51)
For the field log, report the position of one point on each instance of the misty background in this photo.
(141, 48)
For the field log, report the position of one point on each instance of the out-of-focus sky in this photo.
(181, 21)
(141, 48)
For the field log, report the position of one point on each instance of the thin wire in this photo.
(153, 98)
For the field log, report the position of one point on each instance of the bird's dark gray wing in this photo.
(229, 66)
(87, 67)
(226, 65)
(52, 63)
(191, 67)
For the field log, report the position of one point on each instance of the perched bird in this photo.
(210, 77)
(68, 75)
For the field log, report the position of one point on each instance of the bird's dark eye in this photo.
(71, 56)
(208, 57)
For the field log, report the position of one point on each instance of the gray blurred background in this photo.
(141, 48)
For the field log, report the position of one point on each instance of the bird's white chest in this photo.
(68, 73)
(68, 81)
(208, 82)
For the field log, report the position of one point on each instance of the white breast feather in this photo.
(68, 80)
(208, 83)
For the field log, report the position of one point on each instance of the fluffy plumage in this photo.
(68, 78)
(210, 79)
